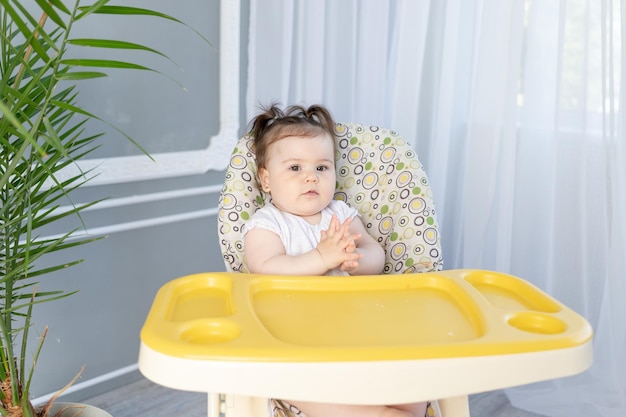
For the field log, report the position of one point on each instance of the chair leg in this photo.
(455, 406)
(213, 404)
(242, 406)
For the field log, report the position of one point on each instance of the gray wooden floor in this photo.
(144, 398)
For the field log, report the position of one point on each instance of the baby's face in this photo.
(300, 175)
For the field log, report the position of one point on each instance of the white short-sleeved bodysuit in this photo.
(299, 236)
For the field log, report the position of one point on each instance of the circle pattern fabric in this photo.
(280, 408)
(378, 173)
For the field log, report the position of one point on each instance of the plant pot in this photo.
(66, 409)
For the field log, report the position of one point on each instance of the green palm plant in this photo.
(42, 132)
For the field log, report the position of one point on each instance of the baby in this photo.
(304, 231)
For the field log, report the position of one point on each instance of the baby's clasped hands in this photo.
(337, 246)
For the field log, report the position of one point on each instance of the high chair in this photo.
(415, 334)
(377, 173)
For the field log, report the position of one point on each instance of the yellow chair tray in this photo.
(448, 314)
(359, 340)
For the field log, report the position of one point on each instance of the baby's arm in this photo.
(373, 255)
(265, 254)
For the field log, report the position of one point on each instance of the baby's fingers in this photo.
(350, 241)
(350, 264)
(345, 226)
(333, 226)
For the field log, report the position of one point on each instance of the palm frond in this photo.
(42, 133)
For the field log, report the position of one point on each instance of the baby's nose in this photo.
(311, 176)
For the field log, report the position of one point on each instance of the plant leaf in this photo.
(112, 44)
(135, 11)
(81, 75)
(115, 44)
(51, 13)
(104, 63)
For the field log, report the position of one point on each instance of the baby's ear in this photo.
(264, 177)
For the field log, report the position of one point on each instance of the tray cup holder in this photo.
(207, 332)
(535, 322)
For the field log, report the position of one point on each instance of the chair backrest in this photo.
(377, 173)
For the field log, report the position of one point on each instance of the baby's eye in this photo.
(294, 168)
(322, 168)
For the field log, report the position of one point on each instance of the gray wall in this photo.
(148, 243)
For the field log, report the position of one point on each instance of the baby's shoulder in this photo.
(265, 212)
(267, 217)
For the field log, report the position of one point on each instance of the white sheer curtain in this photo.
(515, 109)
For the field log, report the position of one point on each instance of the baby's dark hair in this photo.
(273, 124)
